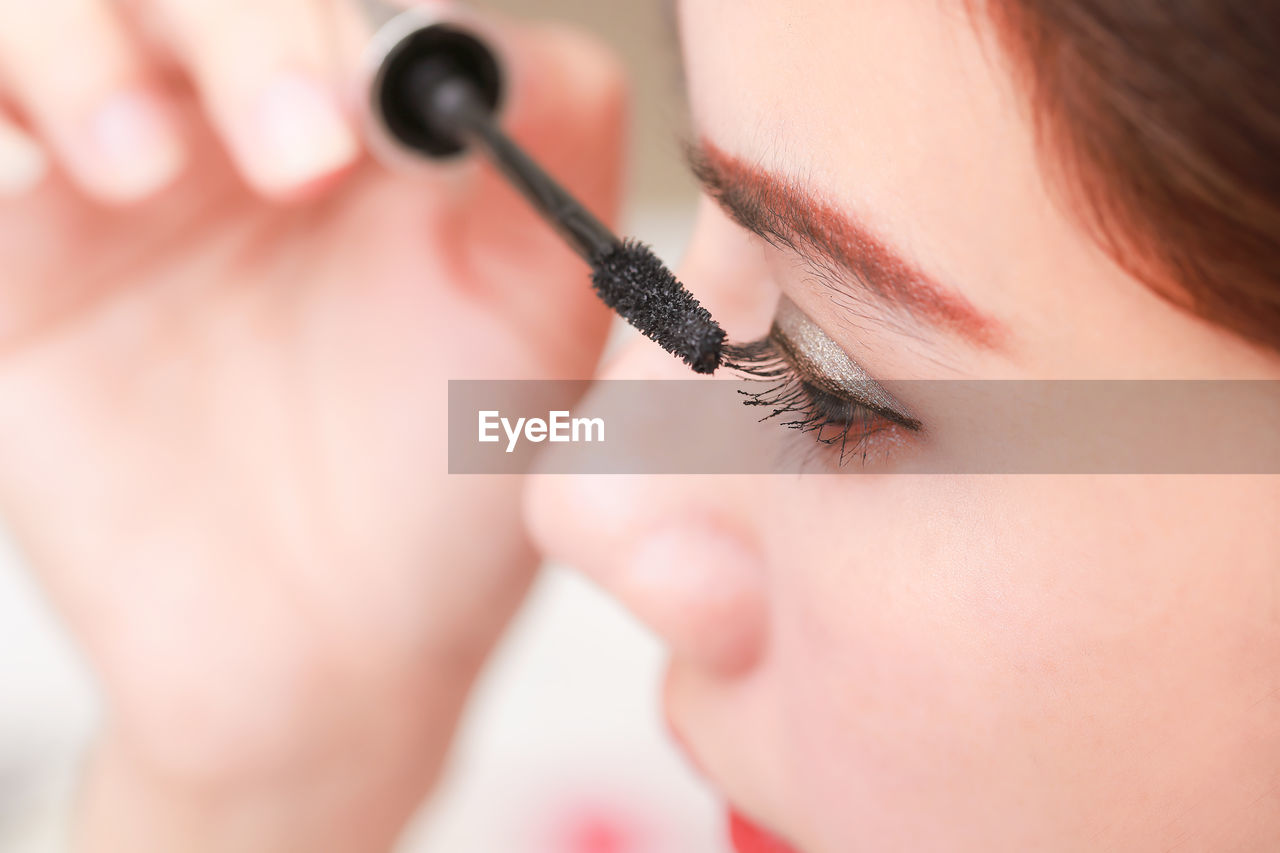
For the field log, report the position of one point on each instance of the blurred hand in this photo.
(222, 415)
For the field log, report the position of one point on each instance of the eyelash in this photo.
(856, 422)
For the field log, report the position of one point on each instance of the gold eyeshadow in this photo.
(821, 362)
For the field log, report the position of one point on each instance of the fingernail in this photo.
(134, 147)
(302, 134)
(23, 165)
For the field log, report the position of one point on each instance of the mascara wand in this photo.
(436, 93)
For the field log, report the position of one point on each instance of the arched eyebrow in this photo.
(788, 215)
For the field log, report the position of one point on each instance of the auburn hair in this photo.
(1159, 121)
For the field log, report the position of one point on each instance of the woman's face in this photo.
(914, 662)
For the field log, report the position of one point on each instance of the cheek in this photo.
(898, 662)
(880, 694)
(1002, 654)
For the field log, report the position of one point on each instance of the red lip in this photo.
(749, 838)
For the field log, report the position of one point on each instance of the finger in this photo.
(72, 68)
(263, 72)
(567, 108)
(23, 163)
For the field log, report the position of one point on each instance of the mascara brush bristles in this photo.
(638, 286)
(627, 275)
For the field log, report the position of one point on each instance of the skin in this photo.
(221, 390)
(944, 662)
(285, 606)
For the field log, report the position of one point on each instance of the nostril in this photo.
(702, 587)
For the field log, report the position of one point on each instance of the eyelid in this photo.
(823, 363)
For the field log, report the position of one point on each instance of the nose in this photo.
(679, 551)
(679, 566)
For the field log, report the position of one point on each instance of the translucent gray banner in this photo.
(954, 427)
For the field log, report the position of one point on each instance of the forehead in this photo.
(905, 114)
(887, 103)
(847, 77)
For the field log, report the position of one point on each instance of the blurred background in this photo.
(564, 749)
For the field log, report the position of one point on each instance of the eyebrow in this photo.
(787, 215)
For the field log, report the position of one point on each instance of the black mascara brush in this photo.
(436, 92)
